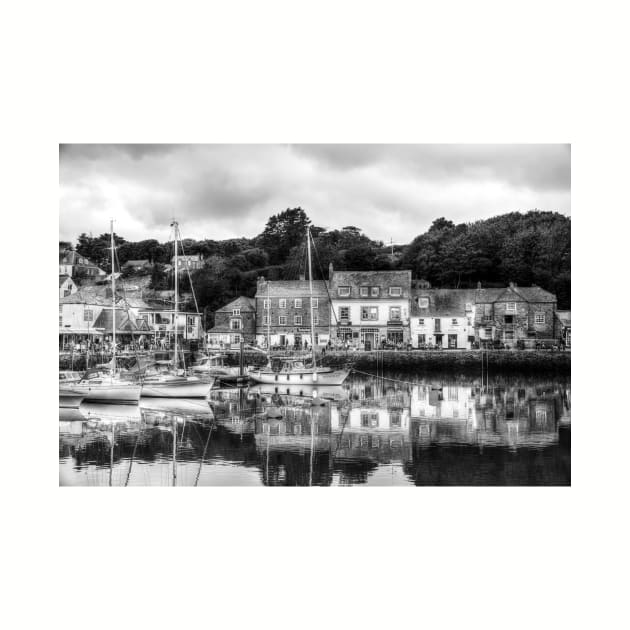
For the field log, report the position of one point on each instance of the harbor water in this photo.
(394, 430)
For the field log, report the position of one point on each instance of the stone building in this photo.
(283, 312)
(370, 307)
(514, 316)
(233, 323)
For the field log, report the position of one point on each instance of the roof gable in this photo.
(242, 302)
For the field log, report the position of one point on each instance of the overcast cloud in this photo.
(226, 191)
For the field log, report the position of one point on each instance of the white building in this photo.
(442, 318)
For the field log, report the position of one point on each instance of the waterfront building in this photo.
(163, 324)
(563, 327)
(515, 316)
(233, 323)
(72, 264)
(66, 286)
(370, 307)
(442, 318)
(283, 312)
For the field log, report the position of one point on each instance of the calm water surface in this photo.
(424, 431)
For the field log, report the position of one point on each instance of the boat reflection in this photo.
(429, 432)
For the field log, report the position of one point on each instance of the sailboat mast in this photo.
(268, 320)
(310, 286)
(175, 363)
(111, 229)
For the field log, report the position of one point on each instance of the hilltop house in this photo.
(442, 318)
(66, 286)
(514, 316)
(72, 264)
(283, 312)
(189, 262)
(369, 307)
(233, 323)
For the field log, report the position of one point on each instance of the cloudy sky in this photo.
(225, 191)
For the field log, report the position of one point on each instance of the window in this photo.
(369, 313)
(510, 307)
(343, 291)
(315, 302)
(394, 313)
(235, 339)
(315, 319)
(282, 303)
(395, 291)
(297, 303)
(297, 320)
(191, 321)
(539, 318)
(66, 292)
(236, 311)
(374, 291)
(454, 322)
(421, 321)
(88, 315)
(265, 320)
(266, 304)
(468, 306)
(509, 335)
(423, 302)
(489, 332)
(422, 339)
(282, 320)
(235, 324)
(344, 312)
(364, 291)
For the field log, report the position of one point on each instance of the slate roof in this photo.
(514, 294)
(442, 302)
(123, 322)
(92, 295)
(290, 288)
(382, 279)
(242, 302)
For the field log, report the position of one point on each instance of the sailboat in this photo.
(94, 385)
(172, 383)
(298, 370)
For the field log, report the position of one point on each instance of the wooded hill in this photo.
(526, 248)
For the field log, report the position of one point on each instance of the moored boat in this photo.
(173, 386)
(291, 371)
(70, 398)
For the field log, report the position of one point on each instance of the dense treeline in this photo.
(529, 248)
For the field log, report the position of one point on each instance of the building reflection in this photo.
(436, 432)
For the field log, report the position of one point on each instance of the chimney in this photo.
(302, 276)
(512, 285)
(478, 285)
(330, 270)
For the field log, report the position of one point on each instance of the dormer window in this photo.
(365, 291)
(343, 291)
(395, 291)
(374, 291)
(423, 302)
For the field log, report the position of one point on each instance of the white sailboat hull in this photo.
(70, 398)
(109, 392)
(305, 377)
(177, 388)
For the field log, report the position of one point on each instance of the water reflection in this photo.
(375, 431)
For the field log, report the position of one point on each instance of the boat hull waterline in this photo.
(270, 377)
(70, 398)
(109, 392)
(180, 388)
